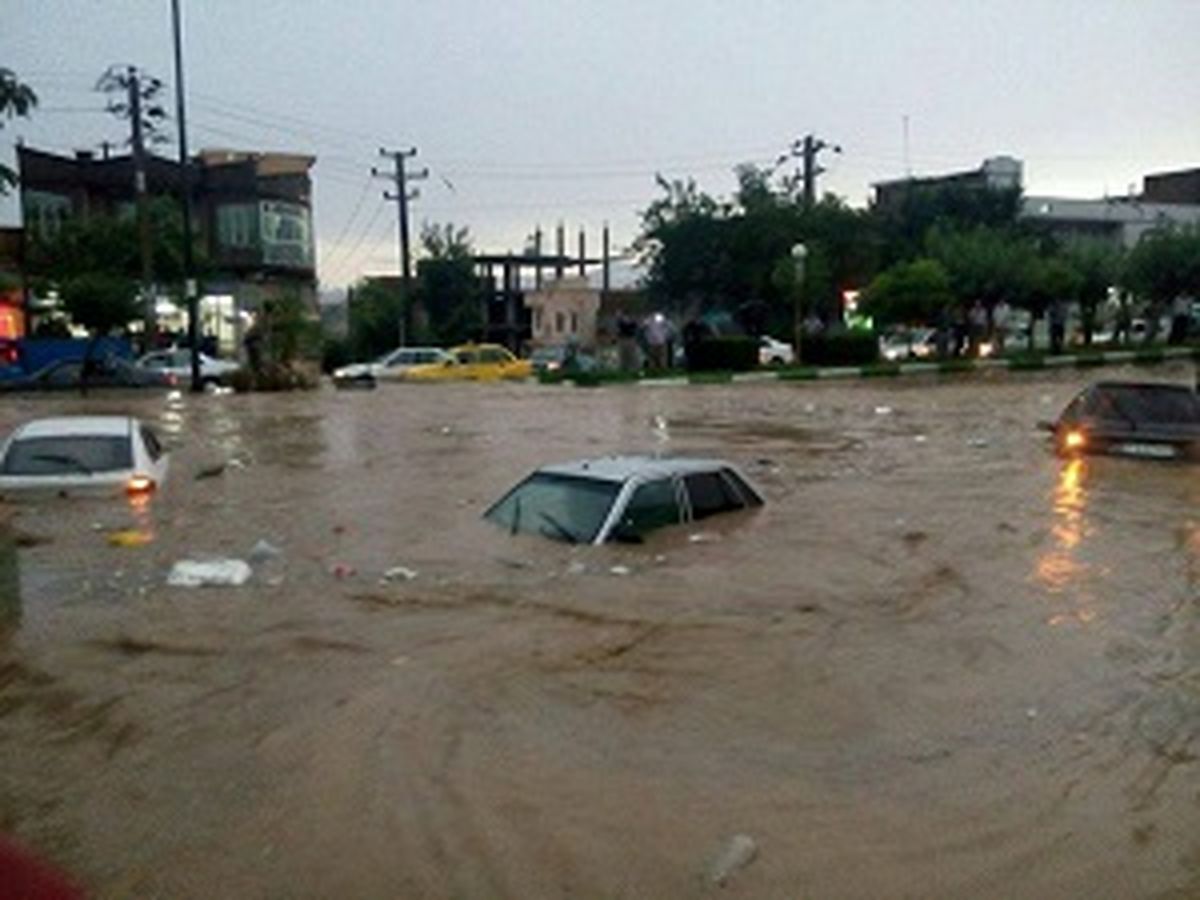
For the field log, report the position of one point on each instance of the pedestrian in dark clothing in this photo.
(1058, 326)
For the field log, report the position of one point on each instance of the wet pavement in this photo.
(939, 663)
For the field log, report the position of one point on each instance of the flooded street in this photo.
(940, 662)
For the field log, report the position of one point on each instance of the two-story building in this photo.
(253, 213)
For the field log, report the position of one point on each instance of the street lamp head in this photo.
(799, 252)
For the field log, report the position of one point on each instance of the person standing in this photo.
(977, 320)
(656, 335)
(1001, 314)
(1181, 314)
(1058, 326)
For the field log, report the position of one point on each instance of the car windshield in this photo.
(565, 507)
(546, 354)
(68, 455)
(1146, 404)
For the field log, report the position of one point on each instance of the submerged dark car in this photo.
(1142, 419)
(102, 372)
(621, 498)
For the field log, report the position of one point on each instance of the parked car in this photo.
(1144, 419)
(103, 372)
(177, 364)
(561, 356)
(392, 365)
(621, 498)
(473, 362)
(774, 353)
(82, 455)
(909, 343)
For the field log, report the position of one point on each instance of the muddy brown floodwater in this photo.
(939, 663)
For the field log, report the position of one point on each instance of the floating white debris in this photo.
(400, 573)
(737, 853)
(209, 573)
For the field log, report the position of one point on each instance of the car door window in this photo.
(653, 505)
(493, 355)
(710, 494)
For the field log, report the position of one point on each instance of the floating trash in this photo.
(130, 537)
(209, 573)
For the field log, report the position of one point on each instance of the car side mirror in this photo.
(1044, 425)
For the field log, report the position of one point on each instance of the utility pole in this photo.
(400, 178)
(138, 104)
(138, 142)
(185, 189)
(811, 147)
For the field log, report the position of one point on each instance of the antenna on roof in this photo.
(907, 160)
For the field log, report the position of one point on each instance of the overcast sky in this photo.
(538, 111)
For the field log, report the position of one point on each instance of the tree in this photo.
(16, 99)
(101, 302)
(117, 81)
(908, 293)
(1164, 264)
(102, 243)
(373, 310)
(448, 292)
(905, 226)
(1098, 264)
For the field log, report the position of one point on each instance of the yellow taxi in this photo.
(473, 362)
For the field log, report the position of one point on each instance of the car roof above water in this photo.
(623, 468)
(58, 426)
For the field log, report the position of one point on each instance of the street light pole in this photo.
(799, 253)
(189, 282)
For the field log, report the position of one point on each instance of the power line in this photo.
(344, 258)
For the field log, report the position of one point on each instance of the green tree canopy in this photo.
(448, 290)
(100, 301)
(101, 243)
(16, 99)
(1164, 264)
(909, 293)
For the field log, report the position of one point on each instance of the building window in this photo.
(45, 212)
(560, 322)
(286, 234)
(537, 318)
(236, 225)
(574, 323)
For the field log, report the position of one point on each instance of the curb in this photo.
(1084, 360)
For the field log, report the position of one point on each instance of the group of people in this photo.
(965, 331)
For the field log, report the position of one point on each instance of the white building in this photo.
(1122, 220)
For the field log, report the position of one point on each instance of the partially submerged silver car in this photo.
(621, 498)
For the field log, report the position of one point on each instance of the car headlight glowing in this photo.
(1075, 439)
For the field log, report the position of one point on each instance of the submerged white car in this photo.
(393, 364)
(621, 498)
(177, 363)
(82, 455)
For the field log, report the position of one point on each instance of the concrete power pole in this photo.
(138, 143)
(402, 195)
